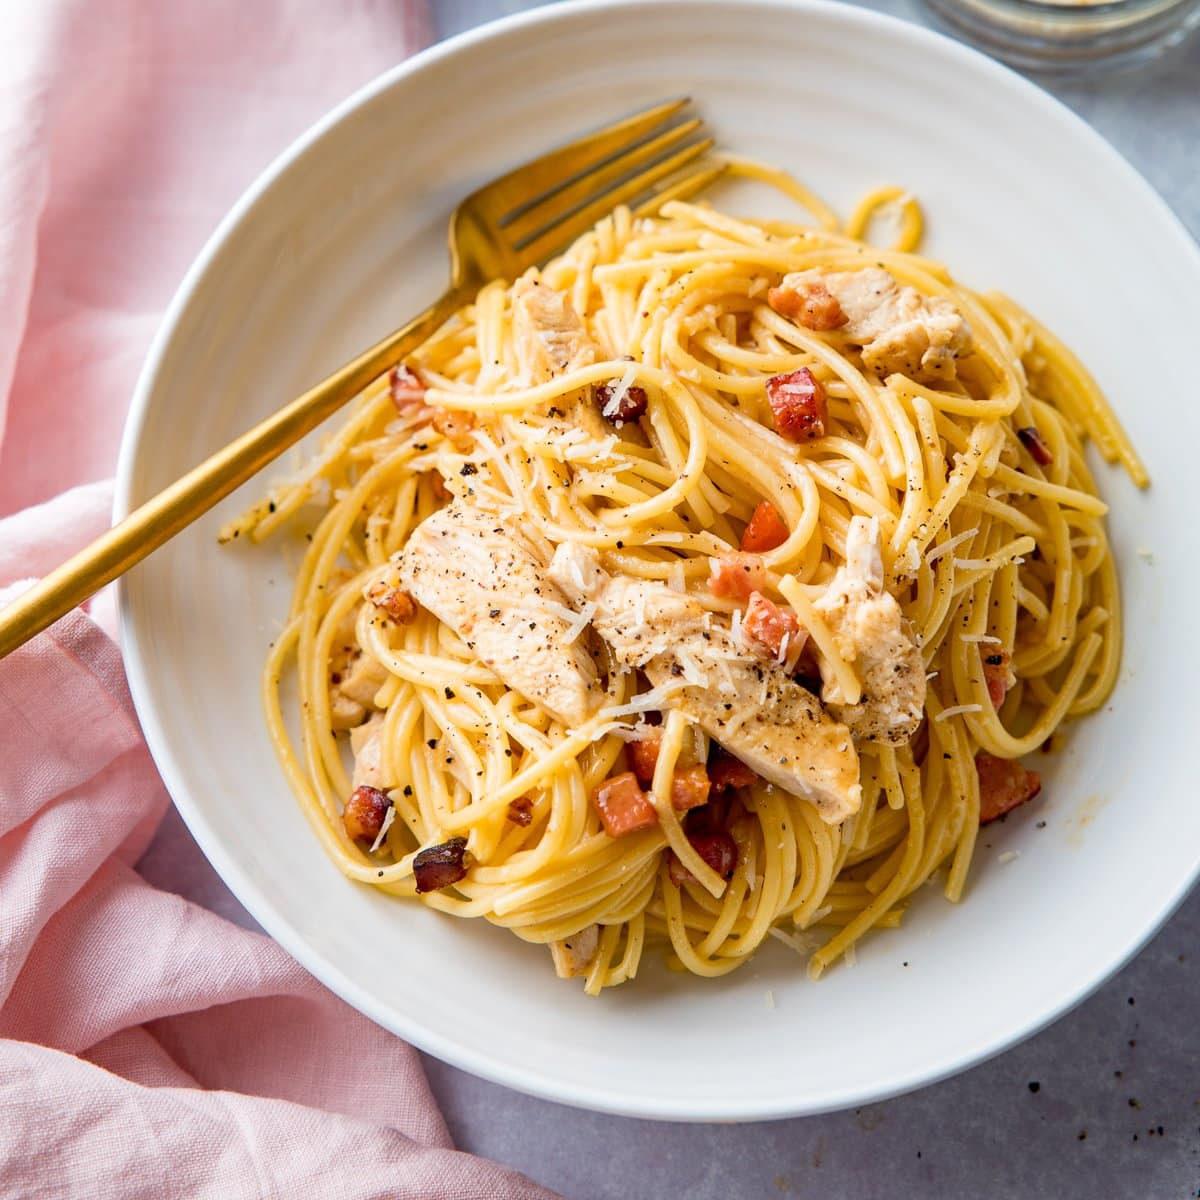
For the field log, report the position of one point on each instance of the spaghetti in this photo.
(654, 453)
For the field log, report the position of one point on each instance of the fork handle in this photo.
(177, 506)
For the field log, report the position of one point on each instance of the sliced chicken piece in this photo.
(550, 336)
(573, 956)
(479, 574)
(750, 706)
(872, 635)
(551, 339)
(366, 742)
(354, 677)
(898, 328)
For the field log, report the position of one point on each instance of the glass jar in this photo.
(1065, 38)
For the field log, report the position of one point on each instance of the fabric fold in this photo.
(148, 1047)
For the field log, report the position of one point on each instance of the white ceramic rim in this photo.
(244, 886)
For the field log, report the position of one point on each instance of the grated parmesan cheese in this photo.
(691, 668)
(792, 941)
(651, 701)
(613, 405)
(388, 818)
(1009, 856)
(554, 609)
(579, 623)
(947, 713)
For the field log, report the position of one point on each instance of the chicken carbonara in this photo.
(707, 585)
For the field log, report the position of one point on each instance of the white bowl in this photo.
(343, 237)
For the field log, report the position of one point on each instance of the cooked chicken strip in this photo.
(478, 573)
(549, 334)
(355, 677)
(573, 955)
(366, 742)
(872, 635)
(898, 328)
(551, 339)
(751, 706)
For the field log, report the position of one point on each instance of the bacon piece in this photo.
(520, 812)
(765, 530)
(720, 815)
(629, 406)
(814, 306)
(798, 402)
(1038, 450)
(718, 850)
(395, 602)
(365, 812)
(407, 390)
(998, 676)
(1003, 784)
(726, 772)
(623, 806)
(689, 789)
(689, 785)
(455, 427)
(775, 629)
(643, 757)
(439, 866)
(735, 576)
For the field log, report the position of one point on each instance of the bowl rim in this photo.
(580, 1094)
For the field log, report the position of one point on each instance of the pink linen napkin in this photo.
(147, 1047)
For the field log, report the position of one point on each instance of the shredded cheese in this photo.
(581, 621)
(956, 710)
(388, 818)
(612, 405)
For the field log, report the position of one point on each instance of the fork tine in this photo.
(556, 234)
(534, 179)
(682, 189)
(538, 213)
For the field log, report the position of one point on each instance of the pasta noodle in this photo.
(994, 549)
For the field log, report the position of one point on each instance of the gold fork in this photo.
(515, 222)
